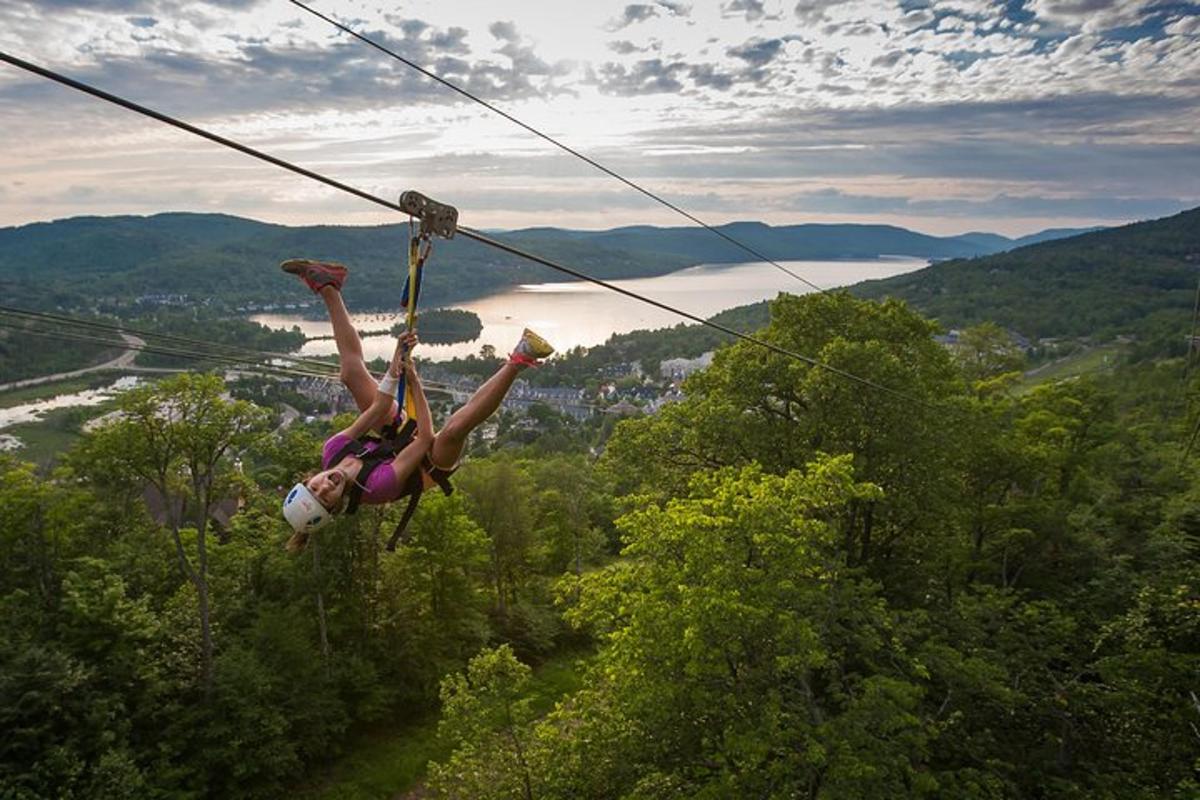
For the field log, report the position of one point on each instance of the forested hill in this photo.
(1129, 279)
(84, 261)
(230, 261)
(790, 242)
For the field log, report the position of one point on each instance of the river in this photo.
(32, 412)
(583, 314)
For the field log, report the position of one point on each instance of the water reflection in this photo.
(583, 314)
(31, 412)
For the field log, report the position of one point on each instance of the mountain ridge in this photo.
(107, 261)
(1136, 278)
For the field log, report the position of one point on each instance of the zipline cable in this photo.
(231, 349)
(606, 170)
(235, 363)
(467, 232)
(203, 355)
(201, 344)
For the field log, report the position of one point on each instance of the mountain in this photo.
(1050, 234)
(1115, 280)
(230, 262)
(787, 242)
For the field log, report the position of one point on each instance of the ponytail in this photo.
(298, 542)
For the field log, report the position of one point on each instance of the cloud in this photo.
(757, 52)
(709, 76)
(813, 12)
(676, 8)
(134, 6)
(917, 18)
(506, 31)
(523, 56)
(888, 60)
(1184, 26)
(751, 9)
(1003, 99)
(834, 201)
(1092, 15)
(638, 12)
(624, 47)
(648, 76)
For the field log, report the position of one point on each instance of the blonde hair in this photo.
(298, 542)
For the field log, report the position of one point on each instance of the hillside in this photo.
(229, 261)
(1116, 280)
(790, 242)
(109, 262)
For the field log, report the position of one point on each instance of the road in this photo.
(123, 361)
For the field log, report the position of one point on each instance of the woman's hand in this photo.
(402, 357)
(408, 340)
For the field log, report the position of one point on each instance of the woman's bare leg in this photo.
(352, 367)
(449, 443)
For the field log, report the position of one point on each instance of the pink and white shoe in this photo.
(317, 274)
(530, 350)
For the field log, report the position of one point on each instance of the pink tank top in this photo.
(381, 486)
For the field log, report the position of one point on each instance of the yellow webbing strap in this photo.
(414, 268)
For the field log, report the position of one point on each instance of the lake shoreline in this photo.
(582, 314)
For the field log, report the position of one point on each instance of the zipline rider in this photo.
(409, 457)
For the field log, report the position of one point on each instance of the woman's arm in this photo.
(420, 405)
(409, 459)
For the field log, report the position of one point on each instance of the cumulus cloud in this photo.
(648, 76)
(709, 76)
(1184, 26)
(757, 52)
(636, 12)
(1092, 15)
(504, 30)
(522, 55)
(917, 18)
(751, 9)
(813, 12)
(1041, 101)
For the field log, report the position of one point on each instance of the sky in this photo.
(943, 116)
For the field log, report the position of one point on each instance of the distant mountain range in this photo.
(230, 262)
(792, 242)
(1137, 278)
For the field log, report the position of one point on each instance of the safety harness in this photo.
(393, 440)
(435, 219)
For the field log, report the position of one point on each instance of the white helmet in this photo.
(303, 510)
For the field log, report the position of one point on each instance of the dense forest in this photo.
(1139, 279)
(26, 351)
(788, 584)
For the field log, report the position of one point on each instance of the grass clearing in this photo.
(1094, 359)
(386, 761)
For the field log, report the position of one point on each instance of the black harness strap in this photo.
(394, 440)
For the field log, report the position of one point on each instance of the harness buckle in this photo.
(436, 218)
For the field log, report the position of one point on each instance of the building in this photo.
(675, 369)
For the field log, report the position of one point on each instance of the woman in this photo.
(313, 502)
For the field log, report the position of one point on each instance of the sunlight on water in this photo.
(583, 314)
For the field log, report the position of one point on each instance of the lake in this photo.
(577, 313)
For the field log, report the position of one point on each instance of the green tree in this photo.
(755, 406)
(987, 351)
(177, 439)
(486, 716)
